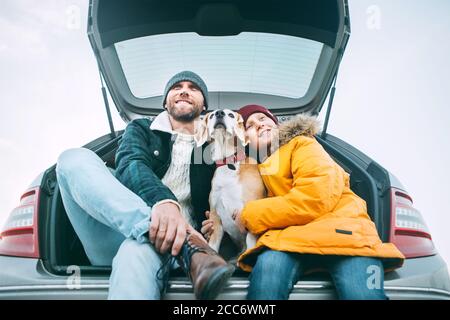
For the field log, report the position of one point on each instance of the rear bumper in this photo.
(181, 290)
(23, 278)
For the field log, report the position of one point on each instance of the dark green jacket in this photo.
(142, 159)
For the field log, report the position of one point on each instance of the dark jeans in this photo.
(355, 278)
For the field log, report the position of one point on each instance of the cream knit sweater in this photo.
(177, 176)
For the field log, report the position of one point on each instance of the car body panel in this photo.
(23, 278)
(26, 278)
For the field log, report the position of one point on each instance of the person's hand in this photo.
(237, 217)
(167, 228)
(207, 226)
(191, 231)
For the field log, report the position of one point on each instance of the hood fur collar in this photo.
(299, 125)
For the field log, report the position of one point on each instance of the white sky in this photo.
(391, 100)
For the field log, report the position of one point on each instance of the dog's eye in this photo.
(231, 115)
(211, 116)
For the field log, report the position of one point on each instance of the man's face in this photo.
(260, 129)
(184, 101)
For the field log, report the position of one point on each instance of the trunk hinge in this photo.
(105, 99)
(330, 101)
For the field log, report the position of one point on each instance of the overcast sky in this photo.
(391, 101)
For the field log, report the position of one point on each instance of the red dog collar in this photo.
(231, 160)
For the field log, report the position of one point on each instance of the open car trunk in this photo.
(62, 248)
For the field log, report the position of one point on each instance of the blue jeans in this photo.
(355, 278)
(110, 221)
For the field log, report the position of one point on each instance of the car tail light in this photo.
(408, 229)
(19, 236)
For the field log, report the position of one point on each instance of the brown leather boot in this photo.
(207, 271)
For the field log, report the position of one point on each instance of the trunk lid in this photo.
(282, 54)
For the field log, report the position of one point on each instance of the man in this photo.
(149, 211)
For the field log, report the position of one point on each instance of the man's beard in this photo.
(184, 117)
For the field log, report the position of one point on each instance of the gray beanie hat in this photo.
(187, 76)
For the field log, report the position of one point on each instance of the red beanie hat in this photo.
(250, 109)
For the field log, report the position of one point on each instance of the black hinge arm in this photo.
(105, 99)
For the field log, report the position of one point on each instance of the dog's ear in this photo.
(201, 134)
(239, 130)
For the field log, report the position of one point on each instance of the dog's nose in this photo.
(220, 114)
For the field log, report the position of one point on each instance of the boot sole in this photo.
(217, 282)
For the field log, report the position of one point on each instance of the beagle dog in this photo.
(236, 179)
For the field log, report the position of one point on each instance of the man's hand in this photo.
(167, 228)
(207, 226)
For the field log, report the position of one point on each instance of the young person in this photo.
(311, 218)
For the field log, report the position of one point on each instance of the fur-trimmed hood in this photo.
(299, 125)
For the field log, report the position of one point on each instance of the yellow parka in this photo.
(310, 208)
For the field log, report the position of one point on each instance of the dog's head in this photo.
(225, 123)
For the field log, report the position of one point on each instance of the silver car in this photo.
(283, 54)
